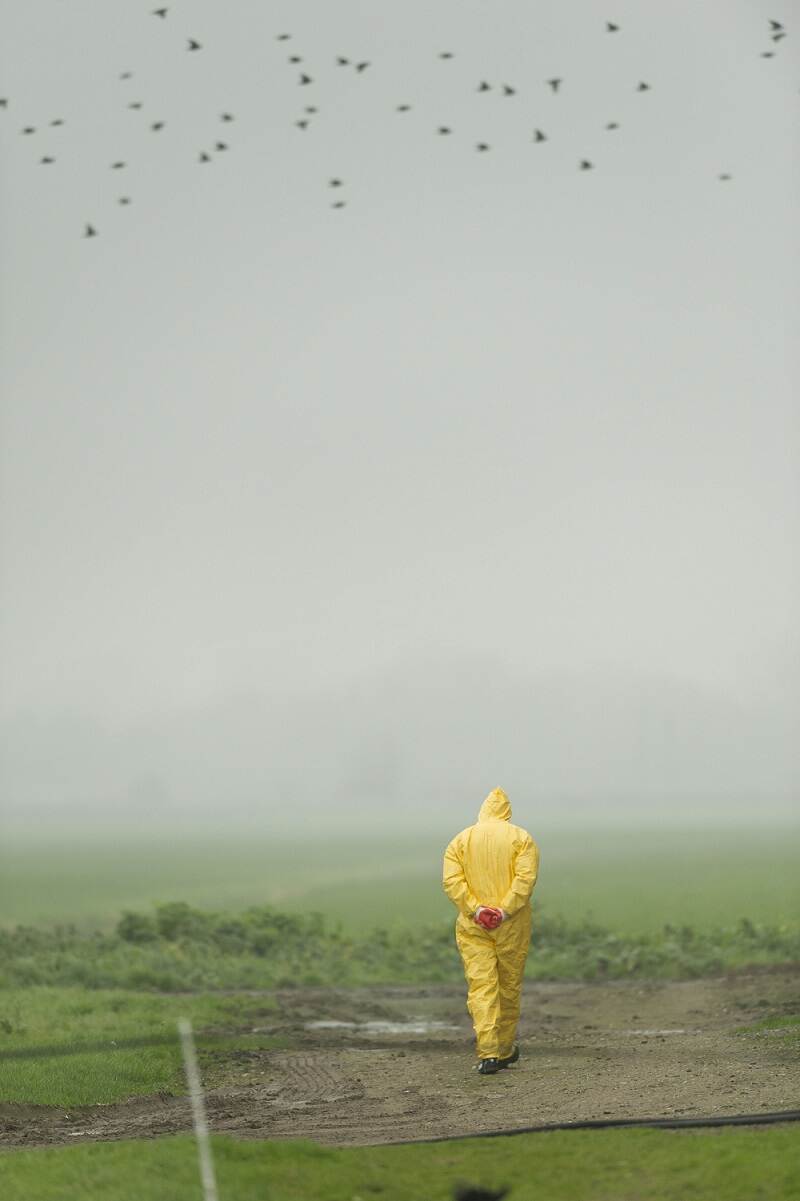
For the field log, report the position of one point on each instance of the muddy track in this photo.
(370, 1073)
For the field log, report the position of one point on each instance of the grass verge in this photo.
(612, 1165)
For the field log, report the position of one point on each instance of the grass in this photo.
(86, 1032)
(612, 1165)
(635, 882)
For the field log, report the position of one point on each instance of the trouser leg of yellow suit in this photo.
(479, 956)
(513, 940)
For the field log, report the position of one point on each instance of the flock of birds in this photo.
(777, 33)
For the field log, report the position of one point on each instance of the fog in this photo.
(323, 519)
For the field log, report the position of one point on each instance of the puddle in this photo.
(635, 1032)
(419, 1026)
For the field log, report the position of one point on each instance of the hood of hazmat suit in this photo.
(493, 863)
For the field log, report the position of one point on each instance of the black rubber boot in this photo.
(512, 1058)
(488, 1067)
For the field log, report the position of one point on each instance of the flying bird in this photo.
(768, 54)
(226, 116)
(586, 165)
(643, 87)
(776, 25)
(446, 54)
(343, 62)
(612, 125)
(724, 176)
(126, 75)
(509, 91)
(305, 79)
(611, 28)
(116, 166)
(58, 121)
(193, 45)
(444, 129)
(4, 102)
(338, 204)
(203, 157)
(334, 183)
(295, 58)
(362, 66)
(483, 86)
(91, 232)
(157, 125)
(776, 37)
(135, 104)
(403, 108)
(47, 160)
(124, 200)
(29, 129)
(302, 124)
(220, 145)
(538, 136)
(283, 37)
(311, 108)
(554, 84)
(482, 146)
(160, 12)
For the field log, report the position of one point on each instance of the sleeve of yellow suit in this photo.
(454, 881)
(526, 869)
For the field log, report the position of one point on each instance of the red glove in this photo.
(488, 917)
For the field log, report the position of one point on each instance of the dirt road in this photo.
(382, 1065)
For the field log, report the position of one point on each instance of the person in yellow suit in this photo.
(489, 873)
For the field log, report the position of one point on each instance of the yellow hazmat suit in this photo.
(493, 863)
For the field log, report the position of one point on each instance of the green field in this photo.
(635, 882)
(612, 1165)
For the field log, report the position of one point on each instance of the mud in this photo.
(383, 1065)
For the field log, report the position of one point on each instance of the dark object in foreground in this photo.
(487, 1067)
(473, 1192)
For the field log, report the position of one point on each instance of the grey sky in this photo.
(489, 477)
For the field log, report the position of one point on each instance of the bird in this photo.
(611, 28)
(302, 124)
(508, 90)
(3, 102)
(47, 160)
(482, 146)
(338, 204)
(295, 58)
(444, 129)
(334, 183)
(124, 200)
(220, 145)
(403, 108)
(362, 66)
(193, 45)
(612, 125)
(471, 1192)
(126, 75)
(157, 125)
(776, 37)
(29, 129)
(203, 157)
(554, 84)
(283, 37)
(91, 232)
(538, 136)
(446, 54)
(311, 108)
(116, 166)
(58, 121)
(643, 87)
(768, 54)
(483, 86)
(776, 25)
(226, 117)
(135, 104)
(305, 79)
(586, 165)
(343, 62)
(160, 12)
(724, 176)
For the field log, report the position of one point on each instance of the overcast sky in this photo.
(488, 477)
